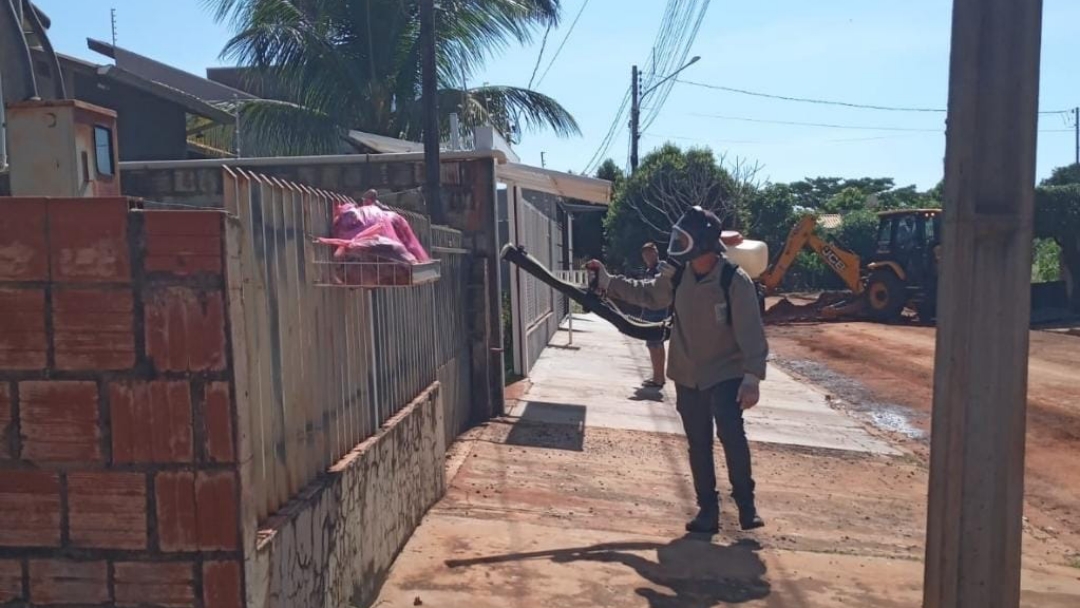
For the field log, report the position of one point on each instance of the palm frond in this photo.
(278, 128)
(535, 110)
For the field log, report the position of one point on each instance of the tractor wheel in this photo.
(886, 296)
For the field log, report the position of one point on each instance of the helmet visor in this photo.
(681, 242)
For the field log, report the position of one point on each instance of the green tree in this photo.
(355, 64)
(1057, 217)
(908, 197)
(1047, 261)
(769, 215)
(612, 172)
(650, 201)
(858, 232)
(1064, 176)
(814, 192)
(848, 199)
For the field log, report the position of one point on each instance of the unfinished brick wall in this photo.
(118, 476)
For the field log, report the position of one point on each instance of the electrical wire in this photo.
(563, 43)
(820, 124)
(605, 144)
(827, 102)
(539, 57)
(687, 42)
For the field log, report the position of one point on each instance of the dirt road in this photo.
(889, 371)
(578, 496)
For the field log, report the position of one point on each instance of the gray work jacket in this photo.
(704, 349)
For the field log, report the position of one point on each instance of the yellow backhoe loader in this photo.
(901, 273)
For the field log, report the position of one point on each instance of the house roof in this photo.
(192, 104)
(558, 183)
(149, 69)
(383, 144)
(830, 220)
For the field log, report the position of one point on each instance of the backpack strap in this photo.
(727, 275)
(675, 280)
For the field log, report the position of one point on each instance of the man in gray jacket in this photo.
(717, 355)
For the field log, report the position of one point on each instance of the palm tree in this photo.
(336, 65)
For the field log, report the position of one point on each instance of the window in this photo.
(103, 150)
(884, 239)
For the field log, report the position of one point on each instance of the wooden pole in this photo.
(973, 532)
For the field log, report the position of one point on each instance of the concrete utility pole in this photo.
(635, 117)
(636, 96)
(1076, 129)
(976, 494)
(429, 86)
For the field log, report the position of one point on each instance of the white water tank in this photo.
(751, 256)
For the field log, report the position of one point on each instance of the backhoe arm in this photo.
(844, 263)
(796, 240)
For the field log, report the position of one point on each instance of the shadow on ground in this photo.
(688, 572)
(556, 426)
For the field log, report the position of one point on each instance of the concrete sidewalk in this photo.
(579, 497)
(596, 381)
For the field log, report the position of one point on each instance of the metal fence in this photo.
(537, 308)
(319, 369)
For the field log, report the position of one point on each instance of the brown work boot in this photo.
(706, 522)
(749, 518)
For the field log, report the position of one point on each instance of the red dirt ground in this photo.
(895, 363)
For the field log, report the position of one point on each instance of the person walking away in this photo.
(651, 256)
(716, 357)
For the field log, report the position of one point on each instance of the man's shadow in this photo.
(694, 572)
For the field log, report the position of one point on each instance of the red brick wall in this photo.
(118, 477)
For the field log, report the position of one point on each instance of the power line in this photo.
(563, 43)
(605, 144)
(688, 34)
(827, 102)
(818, 124)
(839, 126)
(539, 57)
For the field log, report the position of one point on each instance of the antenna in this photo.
(112, 17)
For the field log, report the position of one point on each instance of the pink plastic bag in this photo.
(381, 239)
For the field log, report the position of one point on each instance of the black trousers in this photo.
(698, 409)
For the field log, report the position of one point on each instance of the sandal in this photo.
(652, 384)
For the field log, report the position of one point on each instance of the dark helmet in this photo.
(696, 233)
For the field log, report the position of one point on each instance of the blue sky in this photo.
(865, 51)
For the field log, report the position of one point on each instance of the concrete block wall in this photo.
(118, 476)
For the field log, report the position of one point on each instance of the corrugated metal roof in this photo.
(830, 220)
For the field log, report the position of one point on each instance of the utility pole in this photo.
(112, 17)
(635, 116)
(976, 494)
(1076, 128)
(429, 86)
(543, 161)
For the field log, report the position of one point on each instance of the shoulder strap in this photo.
(727, 275)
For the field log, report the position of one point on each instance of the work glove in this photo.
(749, 392)
(667, 269)
(603, 278)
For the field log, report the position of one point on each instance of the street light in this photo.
(635, 109)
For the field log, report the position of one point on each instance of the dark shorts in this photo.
(654, 316)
